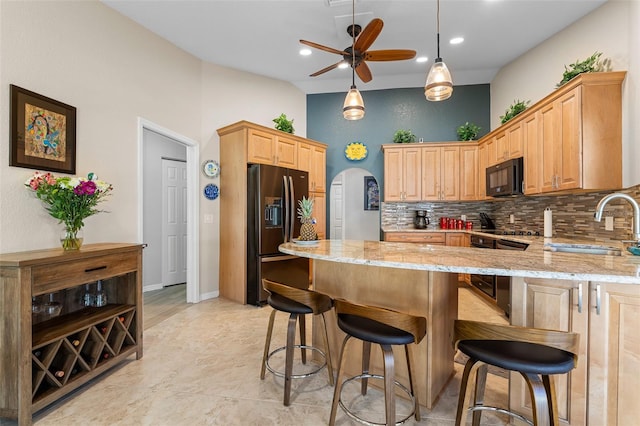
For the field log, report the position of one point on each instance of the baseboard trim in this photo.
(211, 295)
(152, 287)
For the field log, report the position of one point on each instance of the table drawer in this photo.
(50, 278)
(416, 237)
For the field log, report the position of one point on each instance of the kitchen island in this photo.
(596, 296)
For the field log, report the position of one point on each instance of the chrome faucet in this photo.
(636, 211)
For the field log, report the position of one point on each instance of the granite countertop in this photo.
(534, 262)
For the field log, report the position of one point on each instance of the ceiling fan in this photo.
(357, 54)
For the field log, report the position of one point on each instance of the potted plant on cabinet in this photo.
(591, 64)
(514, 109)
(404, 136)
(468, 131)
(284, 124)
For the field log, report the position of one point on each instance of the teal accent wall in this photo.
(386, 112)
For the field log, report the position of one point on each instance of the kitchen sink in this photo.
(583, 249)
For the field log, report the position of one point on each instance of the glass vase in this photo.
(71, 239)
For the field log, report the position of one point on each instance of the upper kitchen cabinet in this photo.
(469, 185)
(312, 158)
(571, 139)
(265, 147)
(441, 172)
(402, 172)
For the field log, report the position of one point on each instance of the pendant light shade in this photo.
(353, 108)
(439, 84)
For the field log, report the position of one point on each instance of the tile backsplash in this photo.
(572, 214)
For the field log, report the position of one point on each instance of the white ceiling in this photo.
(262, 36)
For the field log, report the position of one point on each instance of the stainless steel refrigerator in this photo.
(272, 200)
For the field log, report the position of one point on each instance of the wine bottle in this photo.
(101, 295)
(59, 374)
(106, 355)
(103, 330)
(75, 341)
(37, 353)
(121, 318)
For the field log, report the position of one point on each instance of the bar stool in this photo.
(297, 302)
(386, 328)
(535, 353)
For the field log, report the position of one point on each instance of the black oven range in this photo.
(497, 287)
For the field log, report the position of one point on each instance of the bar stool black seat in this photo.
(298, 303)
(536, 354)
(385, 328)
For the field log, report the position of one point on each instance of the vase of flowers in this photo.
(70, 200)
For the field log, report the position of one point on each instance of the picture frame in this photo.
(42, 132)
(371, 193)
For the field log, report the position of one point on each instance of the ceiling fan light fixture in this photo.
(353, 108)
(439, 84)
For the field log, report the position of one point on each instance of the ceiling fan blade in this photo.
(389, 55)
(323, 70)
(368, 35)
(325, 48)
(364, 72)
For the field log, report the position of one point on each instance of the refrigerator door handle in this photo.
(293, 208)
(286, 211)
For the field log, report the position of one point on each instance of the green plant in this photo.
(404, 136)
(468, 131)
(516, 108)
(591, 64)
(284, 124)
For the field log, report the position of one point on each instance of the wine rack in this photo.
(46, 355)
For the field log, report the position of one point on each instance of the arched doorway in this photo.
(354, 206)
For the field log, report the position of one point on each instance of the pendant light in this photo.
(439, 83)
(353, 108)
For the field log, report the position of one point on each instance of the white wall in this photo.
(611, 29)
(114, 71)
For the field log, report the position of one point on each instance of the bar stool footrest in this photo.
(297, 376)
(374, 376)
(501, 411)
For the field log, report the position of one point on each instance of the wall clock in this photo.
(356, 151)
(211, 191)
(211, 169)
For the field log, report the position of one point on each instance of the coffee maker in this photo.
(421, 220)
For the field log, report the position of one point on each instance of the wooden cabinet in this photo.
(240, 143)
(570, 140)
(436, 238)
(402, 173)
(614, 345)
(532, 169)
(44, 357)
(553, 304)
(440, 173)
(457, 239)
(482, 171)
(607, 317)
(469, 173)
(312, 159)
(264, 147)
(320, 213)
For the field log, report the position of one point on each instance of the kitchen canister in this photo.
(548, 223)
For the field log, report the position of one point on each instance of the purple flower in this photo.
(86, 187)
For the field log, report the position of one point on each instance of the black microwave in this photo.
(506, 178)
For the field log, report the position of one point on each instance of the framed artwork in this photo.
(371, 193)
(43, 132)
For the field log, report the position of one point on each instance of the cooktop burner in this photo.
(511, 232)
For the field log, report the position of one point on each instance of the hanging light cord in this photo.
(438, 26)
(353, 44)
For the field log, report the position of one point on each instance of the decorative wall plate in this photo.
(211, 191)
(356, 151)
(211, 168)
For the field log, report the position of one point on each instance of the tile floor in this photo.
(201, 366)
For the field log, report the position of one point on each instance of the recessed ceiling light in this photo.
(456, 40)
(343, 65)
(305, 52)
(421, 59)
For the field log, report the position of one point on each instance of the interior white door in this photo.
(174, 222)
(336, 208)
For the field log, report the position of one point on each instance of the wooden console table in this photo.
(44, 357)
